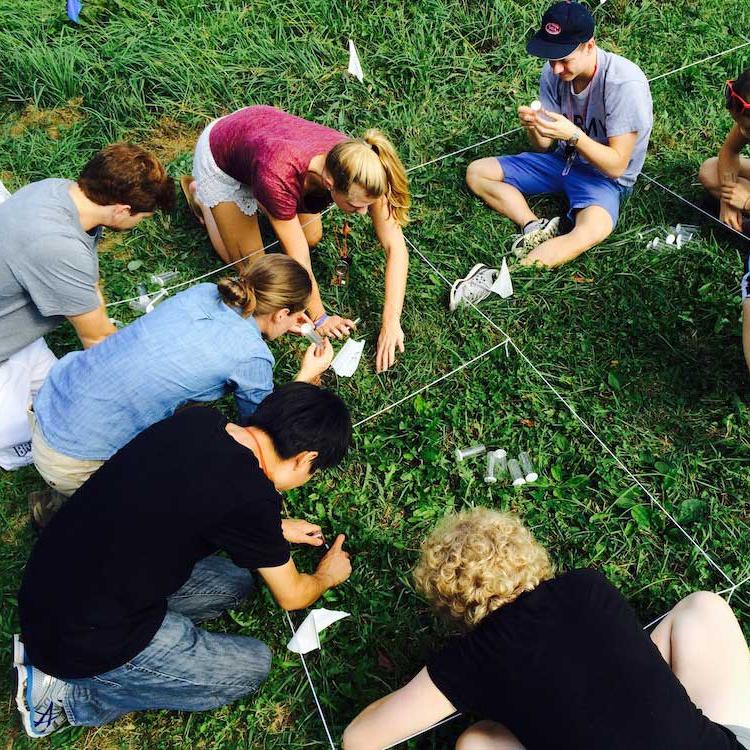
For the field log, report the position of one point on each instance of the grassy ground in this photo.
(644, 344)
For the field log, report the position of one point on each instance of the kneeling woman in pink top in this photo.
(290, 168)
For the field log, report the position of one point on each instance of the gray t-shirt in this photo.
(48, 264)
(616, 101)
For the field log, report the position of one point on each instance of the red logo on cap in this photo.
(553, 29)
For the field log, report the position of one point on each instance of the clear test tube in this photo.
(501, 461)
(489, 474)
(472, 450)
(515, 472)
(158, 298)
(308, 330)
(527, 466)
(161, 279)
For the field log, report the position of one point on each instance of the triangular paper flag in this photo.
(355, 68)
(306, 638)
(346, 361)
(4, 192)
(503, 285)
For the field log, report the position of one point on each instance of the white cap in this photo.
(532, 476)
(306, 329)
(536, 105)
(518, 482)
(670, 239)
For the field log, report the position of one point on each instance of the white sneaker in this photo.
(474, 287)
(534, 233)
(39, 697)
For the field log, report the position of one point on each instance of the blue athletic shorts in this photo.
(534, 174)
(745, 283)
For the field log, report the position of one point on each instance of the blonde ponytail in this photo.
(272, 283)
(371, 163)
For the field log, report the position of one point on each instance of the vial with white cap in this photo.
(536, 105)
(527, 466)
(501, 461)
(489, 474)
(472, 450)
(308, 330)
(516, 473)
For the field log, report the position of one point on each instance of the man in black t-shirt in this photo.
(117, 581)
(561, 662)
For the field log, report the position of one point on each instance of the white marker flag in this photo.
(355, 68)
(503, 285)
(306, 638)
(346, 361)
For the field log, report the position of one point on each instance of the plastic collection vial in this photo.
(472, 450)
(515, 472)
(161, 279)
(489, 474)
(501, 461)
(527, 466)
(308, 330)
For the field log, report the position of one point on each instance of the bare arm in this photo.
(295, 590)
(93, 327)
(391, 238)
(293, 241)
(416, 706)
(729, 156)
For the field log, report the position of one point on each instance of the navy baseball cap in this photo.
(564, 26)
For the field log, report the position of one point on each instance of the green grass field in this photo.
(643, 344)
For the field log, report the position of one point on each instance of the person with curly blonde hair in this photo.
(561, 661)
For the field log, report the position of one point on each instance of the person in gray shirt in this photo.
(596, 107)
(49, 270)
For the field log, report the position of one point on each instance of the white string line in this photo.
(429, 385)
(217, 270)
(697, 208)
(705, 59)
(312, 687)
(584, 424)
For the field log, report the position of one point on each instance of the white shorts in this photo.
(21, 377)
(214, 186)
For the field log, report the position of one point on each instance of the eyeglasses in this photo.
(735, 103)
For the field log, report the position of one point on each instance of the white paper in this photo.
(355, 68)
(346, 362)
(4, 192)
(306, 638)
(503, 285)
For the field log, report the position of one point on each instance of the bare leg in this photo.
(702, 642)
(488, 735)
(485, 179)
(240, 233)
(709, 174)
(312, 226)
(593, 224)
(746, 331)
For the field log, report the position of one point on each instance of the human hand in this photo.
(299, 531)
(736, 195)
(391, 336)
(316, 361)
(730, 216)
(554, 125)
(336, 326)
(527, 116)
(300, 319)
(335, 567)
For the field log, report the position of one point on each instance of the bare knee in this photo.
(708, 174)
(481, 170)
(488, 735)
(705, 607)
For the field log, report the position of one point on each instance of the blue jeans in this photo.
(183, 668)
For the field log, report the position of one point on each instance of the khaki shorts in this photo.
(63, 473)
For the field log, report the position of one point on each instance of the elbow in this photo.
(616, 172)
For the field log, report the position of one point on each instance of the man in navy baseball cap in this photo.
(565, 26)
(593, 153)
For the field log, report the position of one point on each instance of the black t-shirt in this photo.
(95, 588)
(568, 666)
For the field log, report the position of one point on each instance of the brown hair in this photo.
(272, 283)
(742, 84)
(372, 163)
(129, 175)
(477, 561)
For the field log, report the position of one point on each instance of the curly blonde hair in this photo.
(477, 561)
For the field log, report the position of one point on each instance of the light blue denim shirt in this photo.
(192, 347)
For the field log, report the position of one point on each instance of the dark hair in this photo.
(128, 175)
(302, 417)
(742, 85)
(271, 283)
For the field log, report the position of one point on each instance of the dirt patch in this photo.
(168, 140)
(52, 121)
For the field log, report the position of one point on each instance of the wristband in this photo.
(322, 319)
